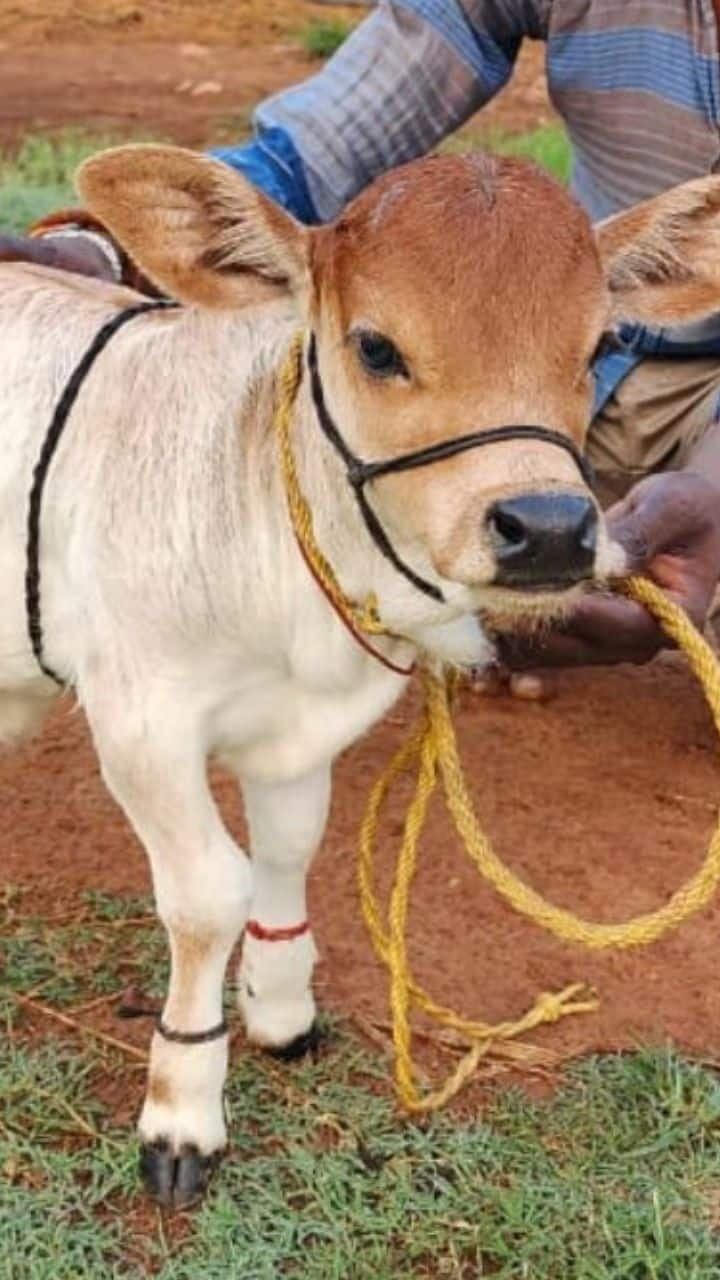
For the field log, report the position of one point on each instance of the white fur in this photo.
(193, 1113)
(286, 822)
(174, 596)
(175, 599)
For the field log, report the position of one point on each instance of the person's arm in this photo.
(408, 76)
(669, 525)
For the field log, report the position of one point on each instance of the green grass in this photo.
(548, 146)
(38, 177)
(321, 38)
(615, 1178)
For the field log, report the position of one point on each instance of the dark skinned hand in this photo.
(669, 525)
(65, 254)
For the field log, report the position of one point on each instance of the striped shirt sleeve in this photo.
(409, 75)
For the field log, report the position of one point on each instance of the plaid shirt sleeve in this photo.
(410, 74)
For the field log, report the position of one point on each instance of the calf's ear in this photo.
(662, 257)
(194, 226)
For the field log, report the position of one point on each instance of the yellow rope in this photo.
(363, 616)
(431, 749)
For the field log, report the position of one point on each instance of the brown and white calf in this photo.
(455, 295)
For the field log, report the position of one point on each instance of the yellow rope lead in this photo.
(363, 616)
(432, 750)
(564, 924)
(432, 747)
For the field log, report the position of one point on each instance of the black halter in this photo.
(360, 473)
(61, 413)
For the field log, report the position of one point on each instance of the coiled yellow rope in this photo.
(431, 748)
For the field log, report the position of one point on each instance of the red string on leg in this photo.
(288, 933)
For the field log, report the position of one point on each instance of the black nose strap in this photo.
(360, 473)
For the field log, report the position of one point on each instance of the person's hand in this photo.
(669, 525)
(65, 253)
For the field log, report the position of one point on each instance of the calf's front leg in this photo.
(286, 822)
(202, 889)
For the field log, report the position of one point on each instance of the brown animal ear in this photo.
(662, 258)
(194, 226)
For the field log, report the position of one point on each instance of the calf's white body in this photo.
(175, 601)
(174, 598)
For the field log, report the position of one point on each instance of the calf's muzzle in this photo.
(543, 540)
(360, 473)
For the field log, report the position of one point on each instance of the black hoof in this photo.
(175, 1181)
(307, 1043)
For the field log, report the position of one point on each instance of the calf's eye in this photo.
(379, 356)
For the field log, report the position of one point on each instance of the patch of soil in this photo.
(242, 22)
(602, 799)
(186, 93)
(187, 72)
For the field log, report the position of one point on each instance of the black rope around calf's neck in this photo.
(40, 473)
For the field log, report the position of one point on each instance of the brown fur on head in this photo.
(485, 276)
(487, 279)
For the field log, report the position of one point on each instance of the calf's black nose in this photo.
(543, 540)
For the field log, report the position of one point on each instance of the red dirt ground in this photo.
(188, 71)
(603, 798)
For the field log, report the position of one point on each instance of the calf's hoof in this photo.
(175, 1180)
(308, 1042)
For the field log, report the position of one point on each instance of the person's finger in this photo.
(523, 654)
(600, 618)
(495, 680)
(604, 629)
(639, 524)
(530, 686)
(664, 513)
(489, 681)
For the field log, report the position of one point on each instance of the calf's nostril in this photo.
(507, 527)
(543, 539)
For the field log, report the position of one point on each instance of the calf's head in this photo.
(455, 295)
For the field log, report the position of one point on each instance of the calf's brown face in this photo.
(456, 295)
